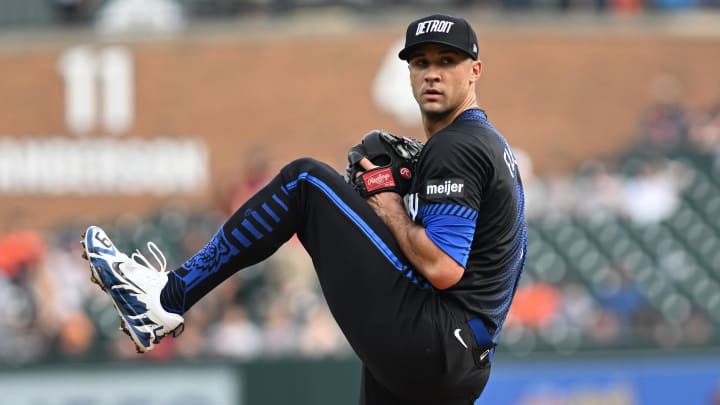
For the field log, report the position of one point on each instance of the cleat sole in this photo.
(124, 329)
(94, 281)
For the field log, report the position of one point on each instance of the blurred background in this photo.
(156, 119)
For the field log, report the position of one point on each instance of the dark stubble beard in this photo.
(436, 116)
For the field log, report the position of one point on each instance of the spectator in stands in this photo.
(620, 297)
(140, 16)
(76, 336)
(321, 336)
(599, 179)
(235, 336)
(67, 294)
(535, 305)
(27, 323)
(75, 11)
(652, 195)
(705, 128)
(280, 333)
(255, 174)
(19, 249)
(579, 308)
(664, 126)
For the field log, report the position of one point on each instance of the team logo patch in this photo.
(445, 188)
(378, 179)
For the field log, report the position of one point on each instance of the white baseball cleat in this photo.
(133, 287)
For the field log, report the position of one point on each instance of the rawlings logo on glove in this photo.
(395, 158)
(378, 179)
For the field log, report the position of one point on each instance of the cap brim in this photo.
(406, 52)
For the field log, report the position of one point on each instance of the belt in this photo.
(486, 347)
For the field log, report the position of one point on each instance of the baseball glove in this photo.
(395, 158)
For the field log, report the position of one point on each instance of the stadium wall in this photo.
(612, 380)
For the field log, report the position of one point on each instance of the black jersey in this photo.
(469, 197)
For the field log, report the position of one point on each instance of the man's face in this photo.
(442, 78)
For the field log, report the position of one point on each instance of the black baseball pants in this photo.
(401, 329)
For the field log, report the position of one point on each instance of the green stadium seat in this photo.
(675, 308)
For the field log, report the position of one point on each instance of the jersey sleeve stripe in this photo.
(452, 234)
(451, 227)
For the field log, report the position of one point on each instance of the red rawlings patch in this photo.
(378, 179)
(405, 172)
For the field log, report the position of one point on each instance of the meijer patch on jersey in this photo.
(445, 188)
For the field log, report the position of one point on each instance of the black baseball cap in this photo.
(440, 29)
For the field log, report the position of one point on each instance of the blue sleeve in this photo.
(451, 227)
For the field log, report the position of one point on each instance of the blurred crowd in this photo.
(623, 253)
(642, 183)
(171, 15)
(74, 10)
(49, 309)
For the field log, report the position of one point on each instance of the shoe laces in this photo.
(157, 254)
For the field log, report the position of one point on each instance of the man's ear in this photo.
(476, 70)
